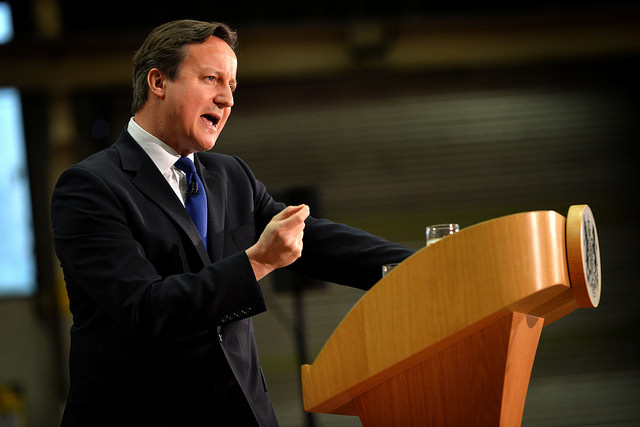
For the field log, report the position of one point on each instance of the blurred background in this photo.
(388, 117)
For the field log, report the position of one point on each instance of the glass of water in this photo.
(438, 232)
(387, 268)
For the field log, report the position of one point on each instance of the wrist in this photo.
(260, 269)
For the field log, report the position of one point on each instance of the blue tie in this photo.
(196, 199)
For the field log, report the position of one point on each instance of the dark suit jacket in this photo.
(160, 326)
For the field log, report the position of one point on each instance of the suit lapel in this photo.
(150, 181)
(216, 195)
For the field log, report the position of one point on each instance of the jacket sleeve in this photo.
(334, 252)
(98, 239)
(341, 254)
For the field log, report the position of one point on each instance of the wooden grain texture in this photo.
(453, 288)
(480, 379)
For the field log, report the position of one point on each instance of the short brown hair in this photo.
(165, 48)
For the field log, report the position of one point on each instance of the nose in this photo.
(224, 98)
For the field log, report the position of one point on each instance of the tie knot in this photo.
(186, 165)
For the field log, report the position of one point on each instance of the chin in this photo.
(211, 145)
(206, 145)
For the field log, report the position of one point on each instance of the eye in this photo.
(211, 78)
(232, 87)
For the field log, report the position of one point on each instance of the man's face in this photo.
(198, 102)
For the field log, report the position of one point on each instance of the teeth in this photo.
(212, 119)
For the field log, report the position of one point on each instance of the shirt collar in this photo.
(162, 155)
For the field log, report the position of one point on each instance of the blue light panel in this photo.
(17, 256)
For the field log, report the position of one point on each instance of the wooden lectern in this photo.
(449, 336)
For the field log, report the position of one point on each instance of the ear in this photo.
(156, 82)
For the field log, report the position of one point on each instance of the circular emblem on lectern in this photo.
(583, 256)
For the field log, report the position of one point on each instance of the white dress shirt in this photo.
(162, 156)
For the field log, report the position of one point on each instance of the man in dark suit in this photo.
(162, 305)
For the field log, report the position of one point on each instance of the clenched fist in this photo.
(280, 244)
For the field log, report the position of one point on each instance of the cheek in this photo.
(223, 120)
(190, 104)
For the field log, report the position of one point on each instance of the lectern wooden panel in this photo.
(449, 336)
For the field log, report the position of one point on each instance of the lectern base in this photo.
(479, 379)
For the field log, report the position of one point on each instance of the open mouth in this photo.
(213, 120)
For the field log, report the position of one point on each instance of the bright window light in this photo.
(17, 256)
(6, 23)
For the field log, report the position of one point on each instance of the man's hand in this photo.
(280, 243)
